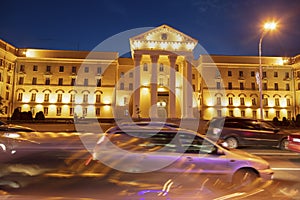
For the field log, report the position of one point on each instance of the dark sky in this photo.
(223, 27)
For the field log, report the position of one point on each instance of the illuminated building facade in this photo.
(161, 80)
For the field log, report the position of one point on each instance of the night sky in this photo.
(222, 27)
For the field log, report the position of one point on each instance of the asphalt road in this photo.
(59, 170)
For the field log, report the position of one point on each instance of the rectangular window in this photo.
(254, 114)
(47, 81)
(161, 81)
(86, 82)
(22, 68)
(86, 69)
(288, 102)
(242, 101)
(252, 73)
(121, 86)
(253, 101)
(60, 81)
(34, 80)
(193, 76)
(218, 101)
(73, 81)
(48, 68)
(287, 87)
(7, 96)
(266, 114)
(230, 101)
(229, 86)
(72, 98)
(99, 82)
(33, 96)
(277, 102)
(97, 111)
(61, 68)
(242, 86)
(131, 86)
(241, 74)
(278, 114)
(84, 111)
(218, 85)
(35, 68)
(58, 111)
(265, 101)
(289, 114)
(46, 97)
(145, 68)
(45, 111)
(161, 67)
(74, 69)
(85, 98)
(71, 111)
(264, 75)
(20, 96)
(21, 80)
(243, 114)
(59, 98)
(253, 86)
(98, 98)
(287, 75)
(231, 113)
(131, 75)
(8, 80)
(122, 74)
(265, 86)
(99, 70)
(275, 86)
(299, 86)
(229, 73)
(275, 74)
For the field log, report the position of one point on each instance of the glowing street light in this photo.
(268, 26)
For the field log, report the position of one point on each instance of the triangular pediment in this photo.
(163, 38)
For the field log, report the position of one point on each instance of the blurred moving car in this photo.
(180, 151)
(145, 124)
(13, 137)
(238, 131)
(294, 143)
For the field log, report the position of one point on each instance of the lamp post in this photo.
(267, 27)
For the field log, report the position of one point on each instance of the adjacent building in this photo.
(162, 79)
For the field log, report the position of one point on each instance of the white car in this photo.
(175, 150)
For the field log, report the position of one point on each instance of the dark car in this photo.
(238, 131)
(294, 143)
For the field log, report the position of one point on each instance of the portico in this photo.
(168, 55)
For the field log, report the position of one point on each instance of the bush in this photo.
(39, 116)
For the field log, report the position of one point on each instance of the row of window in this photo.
(252, 73)
(254, 114)
(60, 81)
(59, 97)
(253, 101)
(71, 111)
(253, 86)
(60, 69)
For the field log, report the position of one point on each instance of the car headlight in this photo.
(3, 147)
(12, 135)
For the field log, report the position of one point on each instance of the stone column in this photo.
(172, 87)
(137, 83)
(188, 89)
(153, 86)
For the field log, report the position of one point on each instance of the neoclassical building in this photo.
(162, 79)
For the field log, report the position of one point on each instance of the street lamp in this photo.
(269, 26)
